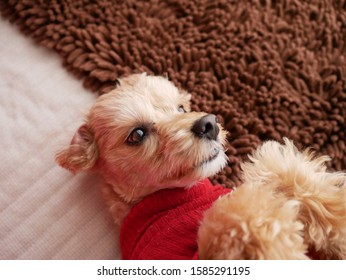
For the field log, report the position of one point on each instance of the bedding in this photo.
(267, 69)
(45, 212)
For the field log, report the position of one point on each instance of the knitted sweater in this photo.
(164, 225)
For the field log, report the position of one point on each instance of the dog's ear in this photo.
(82, 153)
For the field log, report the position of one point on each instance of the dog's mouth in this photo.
(212, 157)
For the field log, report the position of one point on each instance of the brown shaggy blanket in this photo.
(266, 68)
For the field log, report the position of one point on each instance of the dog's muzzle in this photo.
(206, 127)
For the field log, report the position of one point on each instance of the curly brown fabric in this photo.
(268, 69)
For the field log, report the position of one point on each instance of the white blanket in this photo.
(45, 212)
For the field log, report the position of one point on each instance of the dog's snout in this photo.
(206, 127)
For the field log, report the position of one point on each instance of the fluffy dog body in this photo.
(142, 138)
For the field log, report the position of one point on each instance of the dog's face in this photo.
(142, 137)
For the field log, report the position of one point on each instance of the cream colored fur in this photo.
(288, 204)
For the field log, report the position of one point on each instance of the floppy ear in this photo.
(82, 153)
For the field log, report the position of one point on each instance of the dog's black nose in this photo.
(206, 127)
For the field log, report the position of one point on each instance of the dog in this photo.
(154, 153)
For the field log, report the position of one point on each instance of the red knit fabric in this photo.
(164, 225)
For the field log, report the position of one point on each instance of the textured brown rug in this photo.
(268, 69)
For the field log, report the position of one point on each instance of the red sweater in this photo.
(164, 225)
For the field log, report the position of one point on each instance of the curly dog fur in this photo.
(142, 138)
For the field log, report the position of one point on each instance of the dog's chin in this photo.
(212, 165)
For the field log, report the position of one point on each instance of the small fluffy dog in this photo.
(152, 152)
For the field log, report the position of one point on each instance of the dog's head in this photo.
(142, 137)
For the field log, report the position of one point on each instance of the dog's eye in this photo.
(181, 109)
(117, 83)
(136, 136)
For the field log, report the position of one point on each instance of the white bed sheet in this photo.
(45, 212)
